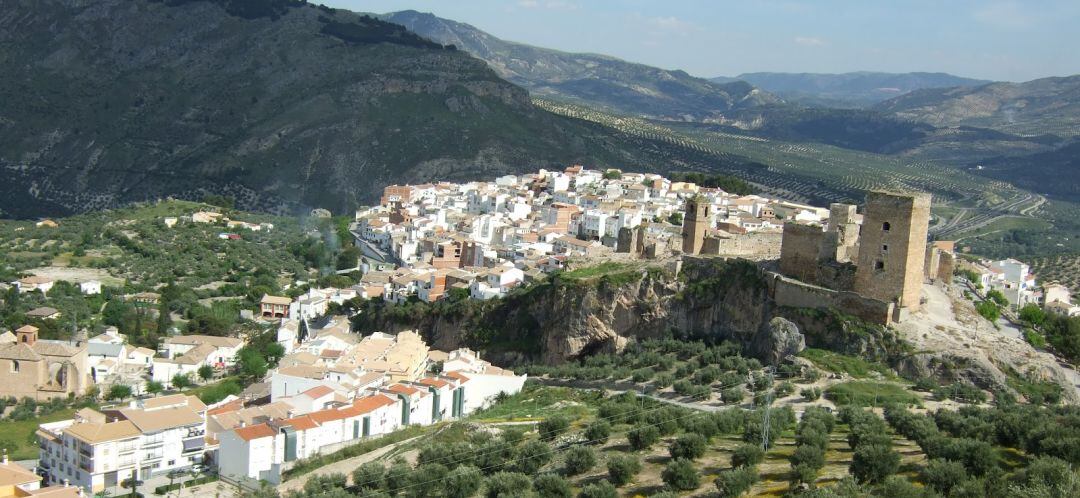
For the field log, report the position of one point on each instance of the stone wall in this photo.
(753, 246)
(800, 251)
(892, 247)
(793, 293)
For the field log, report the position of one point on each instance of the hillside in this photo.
(1048, 105)
(856, 89)
(611, 83)
(280, 104)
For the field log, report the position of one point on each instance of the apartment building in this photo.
(100, 449)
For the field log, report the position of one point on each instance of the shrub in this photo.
(622, 469)
(810, 393)
(579, 459)
(598, 432)
(663, 380)
(532, 455)
(942, 475)
(733, 483)
(599, 490)
(551, 486)
(551, 427)
(507, 485)
(688, 446)
(747, 455)
(784, 389)
(872, 463)
(681, 475)
(732, 395)
(369, 475)
(643, 437)
(462, 482)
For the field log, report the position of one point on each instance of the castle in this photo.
(880, 263)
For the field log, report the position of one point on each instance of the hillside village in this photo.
(323, 387)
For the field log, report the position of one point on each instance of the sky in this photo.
(998, 40)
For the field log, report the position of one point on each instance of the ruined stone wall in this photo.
(753, 246)
(800, 251)
(845, 230)
(793, 293)
(892, 247)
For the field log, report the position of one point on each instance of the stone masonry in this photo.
(892, 247)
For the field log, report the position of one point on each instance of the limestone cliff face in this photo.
(567, 318)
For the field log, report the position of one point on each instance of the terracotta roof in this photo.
(204, 339)
(302, 423)
(403, 389)
(268, 299)
(57, 492)
(431, 381)
(258, 431)
(43, 311)
(18, 351)
(317, 392)
(230, 406)
(457, 375)
(164, 418)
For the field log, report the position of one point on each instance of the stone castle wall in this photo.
(753, 246)
(892, 248)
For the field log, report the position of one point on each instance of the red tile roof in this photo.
(431, 381)
(231, 406)
(317, 392)
(252, 432)
(302, 423)
(403, 389)
(458, 376)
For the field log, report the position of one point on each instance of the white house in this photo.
(90, 287)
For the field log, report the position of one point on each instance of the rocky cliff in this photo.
(569, 316)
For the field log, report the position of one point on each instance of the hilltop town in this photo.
(289, 380)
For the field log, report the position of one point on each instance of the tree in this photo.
(747, 455)
(598, 432)
(680, 475)
(622, 469)
(369, 475)
(1033, 314)
(206, 372)
(181, 381)
(551, 427)
(997, 297)
(988, 310)
(251, 363)
(164, 321)
(689, 446)
(579, 459)
(942, 475)
(810, 393)
(599, 490)
(551, 485)
(118, 391)
(507, 485)
(131, 483)
(532, 455)
(872, 463)
(735, 482)
(154, 387)
(675, 218)
(732, 395)
(643, 437)
(397, 476)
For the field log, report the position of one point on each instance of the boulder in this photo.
(780, 339)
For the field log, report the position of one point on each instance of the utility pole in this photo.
(765, 425)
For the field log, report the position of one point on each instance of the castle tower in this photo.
(695, 224)
(892, 247)
(844, 231)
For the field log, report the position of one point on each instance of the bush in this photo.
(942, 475)
(736, 482)
(507, 485)
(747, 455)
(551, 427)
(663, 380)
(681, 475)
(598, 432)
(688, 446)
(643, 437)
(462, 482)
(622, 469)
(988, 310)
(784, 389)
(532, 455)
(369, 475)
(732, 395)
(579, 459)
(551, 486)
(810, 393)
(599, 490)
(872, 463)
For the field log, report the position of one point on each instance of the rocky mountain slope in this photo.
(857, 89)
(600, 80)
(1048, 105)
(278, 103)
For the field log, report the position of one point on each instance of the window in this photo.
(172, 462)
(14, 366)
(879, 265)
(885, 248)
(885, 227)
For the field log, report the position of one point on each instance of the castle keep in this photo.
(883, 259)
(695, 224)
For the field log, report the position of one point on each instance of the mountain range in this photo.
(856, 89)
(598, 80)
(278, 103)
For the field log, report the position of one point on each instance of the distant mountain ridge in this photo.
(278, 103)
(855, 89)
(1046, 105)
(599, 80)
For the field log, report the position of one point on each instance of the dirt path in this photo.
(344, 466)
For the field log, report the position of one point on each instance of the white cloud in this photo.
(809, 41)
